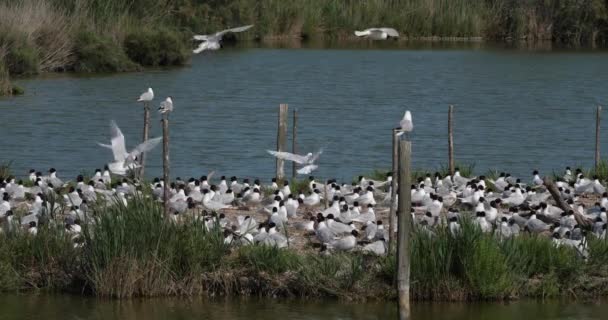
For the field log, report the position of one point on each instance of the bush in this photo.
(157, 48)
(21, 57)
(95, 53)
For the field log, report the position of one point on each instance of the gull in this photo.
(212, 41)
(124, 160)
(166, 106)
(406, 125)
(306, 161)
(378, 33)
(146, 96)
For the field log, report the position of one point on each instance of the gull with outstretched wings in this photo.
(307, 162)
(378, 33)
(213, 41)
(124, 160)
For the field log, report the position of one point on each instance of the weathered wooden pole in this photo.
(293, 142)
(326, 199)
(404, 229)
(281, 140)
(597, 137)
(451, 140)
(393, 208)
(166, 164)
(580, 219)
(146, 135)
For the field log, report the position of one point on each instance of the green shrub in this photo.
(157, 48)
(97, 53)
(21, 55)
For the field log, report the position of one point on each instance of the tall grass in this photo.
(129, 251)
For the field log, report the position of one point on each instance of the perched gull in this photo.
(406, 125)
(378, 33)
(212, 41)
(124, 160)
(146, 96)
(166, 106)
(306, 161)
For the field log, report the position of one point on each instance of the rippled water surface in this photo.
(516, 110)
(28, 307)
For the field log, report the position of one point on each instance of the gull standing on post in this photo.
(146, 96)
(166, 106)
(213, 41)
(306, 161)
(406, 125)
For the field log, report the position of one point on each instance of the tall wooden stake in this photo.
(166, 164)
(281, 140)
(392, 210)
(404, 229)
(597, 137)
(146, 135)
(451, 140)
(293, 142)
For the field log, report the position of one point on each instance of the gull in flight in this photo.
(406, 125)
(212, 41)
(378, 33)
(166, 106)
(124, 160)
(146, 96)
(307, 161)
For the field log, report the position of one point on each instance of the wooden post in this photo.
(451, 140)
(293, 143)
(146, 135)
(597, 137)
(166, 165)
(281, 140)
(326, 199)
(392, 209)
(580, 219)
(404, 229)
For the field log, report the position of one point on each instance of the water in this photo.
(71, 307)
(515, 110)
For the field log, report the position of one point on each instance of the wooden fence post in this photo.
(597, 137)
(404, 229)
(145, 138)
(166, 164)
(451, 140)
(393, 205)
(281, 140)
(293, 142)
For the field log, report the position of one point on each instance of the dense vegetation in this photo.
(132, 251)
(119, 35)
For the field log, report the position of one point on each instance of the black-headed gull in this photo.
(212, 41)
(306, 161)
(124, 160)
(378, 33)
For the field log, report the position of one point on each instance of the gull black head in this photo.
(274, 180)
(311, 178)
(285, 183)
(233, 179)
(52, 170)
(428, 214)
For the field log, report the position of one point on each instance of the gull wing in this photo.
(289, 156)
(307, 169)
(362, 33)
(234, 30)
(390, 32)
(118, 142)
(315, 156)
(145, 147)
(201, 37)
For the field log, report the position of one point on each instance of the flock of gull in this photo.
(329, 215)
(214, 41)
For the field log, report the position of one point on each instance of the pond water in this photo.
(515, 110)
(67, 307)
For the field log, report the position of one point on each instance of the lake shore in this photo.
(53, 36)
